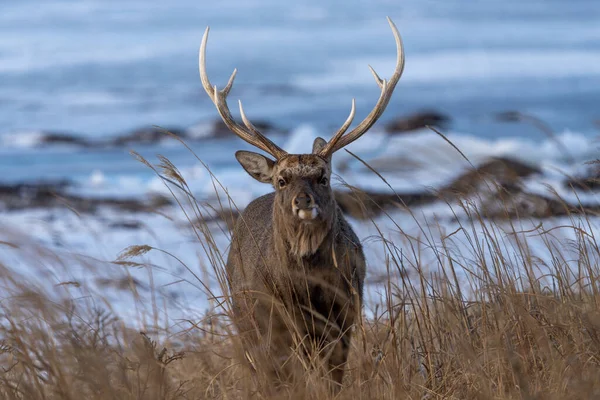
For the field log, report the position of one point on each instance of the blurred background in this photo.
(100, 69)
(514, 85)
(84, 82)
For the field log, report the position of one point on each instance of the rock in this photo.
(50, 138)
(228, 216)
(125, 283)
(520, 204)
(147, 135)
(41, 139)
(30, 195)
(91, 205)
(22, 196)
(126, 224)
(497, 187)
(496, 173)
(589, 180)
(417, 121)
(365, 205)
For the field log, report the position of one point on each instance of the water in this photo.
(99, 68)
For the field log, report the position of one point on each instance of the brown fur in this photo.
(295, 284)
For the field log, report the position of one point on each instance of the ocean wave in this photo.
(459, 66)
(22, 140)
(410, 162)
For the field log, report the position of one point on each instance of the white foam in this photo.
(97, 179)
(22, 139)
(200, 130)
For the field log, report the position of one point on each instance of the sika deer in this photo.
(296, 268)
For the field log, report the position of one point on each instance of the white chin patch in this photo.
(308, 214)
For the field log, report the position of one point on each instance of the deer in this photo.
(295, 268)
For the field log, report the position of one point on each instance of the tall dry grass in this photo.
(491, 321)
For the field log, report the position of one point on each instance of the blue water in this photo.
(102, 67)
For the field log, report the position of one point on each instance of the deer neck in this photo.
(295, 240)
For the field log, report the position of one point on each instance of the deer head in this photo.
(301, 181)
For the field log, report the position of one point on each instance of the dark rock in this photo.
(50, 138)
(510, 116)
(228, 216)
(147, 135)
(360, 204)
(22, 196)
(496, 173)
(125, 283)
(91, 205)
(520, 204)
(497, 187)
(28, 195)
(417, 121)
(589, 180)
(129, 225)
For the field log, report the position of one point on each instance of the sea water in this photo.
(100, 68)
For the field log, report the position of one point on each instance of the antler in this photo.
(249, 133)
(340, 140)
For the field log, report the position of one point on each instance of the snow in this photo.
(58, 246)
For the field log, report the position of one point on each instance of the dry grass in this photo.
(503, 332)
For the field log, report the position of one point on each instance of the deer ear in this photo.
(258, 166)
(318, 145)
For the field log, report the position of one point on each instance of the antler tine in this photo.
(229, 85)
(249, 133)
(326, 151)
(387, 88)
(273, 149)
(377, 78)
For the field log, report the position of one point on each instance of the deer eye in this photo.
(324, 181)
(281, 182)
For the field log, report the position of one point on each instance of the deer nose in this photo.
(303, 201)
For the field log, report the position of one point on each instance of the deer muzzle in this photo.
(305, 208)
